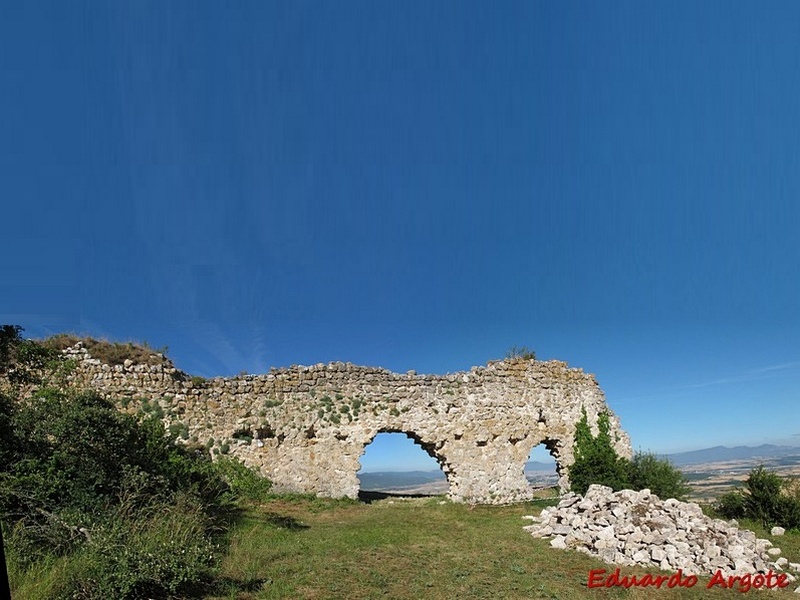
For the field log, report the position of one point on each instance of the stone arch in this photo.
(553, 446)
(431, 448)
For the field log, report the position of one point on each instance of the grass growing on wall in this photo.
(112, 353)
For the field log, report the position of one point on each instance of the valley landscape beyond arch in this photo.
(429, 448)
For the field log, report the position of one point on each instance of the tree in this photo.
(596, 461)
(658, 475)
(766, 498)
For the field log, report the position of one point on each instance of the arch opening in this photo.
(397, 462)
(542, 469)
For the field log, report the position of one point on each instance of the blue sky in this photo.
(420, 185)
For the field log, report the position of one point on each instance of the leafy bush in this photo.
(596, 461)
(767, 498)
(245, 482)
(646, 470)
(152, 553)
(73, 458)
(23, 361)
(731, 505)
(97, 504)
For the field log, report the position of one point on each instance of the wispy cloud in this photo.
(760, 373)
(750, 375)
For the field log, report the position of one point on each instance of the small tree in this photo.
(766, 498)
(596, 461)
(764, 502)
(646, 470)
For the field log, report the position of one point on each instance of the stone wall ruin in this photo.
(306, 427)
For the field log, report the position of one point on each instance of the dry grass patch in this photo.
(112, 353)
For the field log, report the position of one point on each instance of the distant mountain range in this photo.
(723, 453)
(535, 466)
(398, 479)
(707, 455)
(767, 452)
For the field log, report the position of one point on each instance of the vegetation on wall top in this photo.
(520, 352)
(112, 353)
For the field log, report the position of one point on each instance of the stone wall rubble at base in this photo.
(638, 529)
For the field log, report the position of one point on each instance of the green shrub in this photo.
(179, 429)
(198, 381)
(596, 461)
(767, 498)
(160, 553)
(764, 501)
(95, 503)
(646, 470)
(131, 514)
(24, 362)
(731, 505)
(245, 483)
(152, 409)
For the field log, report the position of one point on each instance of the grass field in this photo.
(417, 548)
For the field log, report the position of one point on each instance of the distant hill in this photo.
(535, 466)
(392, 480)
(402, 479)
(396, 480)
(723, 453)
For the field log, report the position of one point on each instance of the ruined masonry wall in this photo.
(306, 427)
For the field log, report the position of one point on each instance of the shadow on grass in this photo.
(368, 497)
(283, 522)
(224, 587)
(276, 520)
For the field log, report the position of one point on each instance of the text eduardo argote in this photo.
(600, 578)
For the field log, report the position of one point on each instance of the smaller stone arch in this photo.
(553, 447)
(432, 449)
